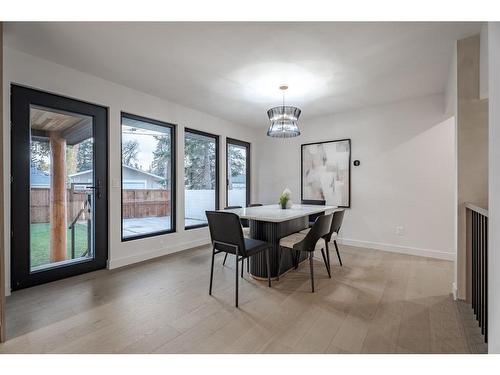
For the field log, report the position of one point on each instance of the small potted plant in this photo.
(285, 198)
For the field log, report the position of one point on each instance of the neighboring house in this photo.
(238, 182)
(132, 178)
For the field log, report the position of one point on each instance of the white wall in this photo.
(451, 85)
(494, 188)
(406, 177)
(31, 71)
(483, 63)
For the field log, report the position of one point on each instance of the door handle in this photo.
(96, 188)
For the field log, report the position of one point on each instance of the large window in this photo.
(201, 171)
(148, 177)
(238, 173)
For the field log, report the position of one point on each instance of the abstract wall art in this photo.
(326, 172)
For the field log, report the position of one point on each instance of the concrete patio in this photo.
(144, 225)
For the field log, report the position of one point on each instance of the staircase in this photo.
(472, 331)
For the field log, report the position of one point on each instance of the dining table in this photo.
(270, 223)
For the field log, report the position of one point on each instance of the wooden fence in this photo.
(40, 204)
(137, 203)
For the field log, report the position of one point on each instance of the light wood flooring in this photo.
(378, 302)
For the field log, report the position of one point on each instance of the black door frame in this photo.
(21, 100)
(237, 142)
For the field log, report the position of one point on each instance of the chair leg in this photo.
(296, 259)
(224, 262)
(280, 256)
(242, 266)
(327, 249)
(337, 248)
(248, 265)
(212, 272)
(311, 254)
(236, 289)
(326, 264)
(268, 268)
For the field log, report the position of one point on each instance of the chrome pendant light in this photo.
(283, 119)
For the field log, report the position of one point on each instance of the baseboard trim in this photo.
(125, 261)
(428, 253)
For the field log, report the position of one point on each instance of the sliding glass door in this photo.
(59, 190)
(237, 173)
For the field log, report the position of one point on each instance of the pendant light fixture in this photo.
(283, 119)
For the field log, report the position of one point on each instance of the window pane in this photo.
(237, 175)
(200, 177)
(146, 177)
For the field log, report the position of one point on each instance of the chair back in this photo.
(338, 218)
(313, 217)
(314, 202)
(225, 230)
(319, 230)
(244, 222)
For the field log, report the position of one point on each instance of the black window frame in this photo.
(173, 173)
(247, 145)
(217, 172)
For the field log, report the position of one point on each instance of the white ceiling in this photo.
(233, 70)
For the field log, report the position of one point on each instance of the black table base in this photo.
(272, 232)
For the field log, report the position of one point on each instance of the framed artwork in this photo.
(326, 172)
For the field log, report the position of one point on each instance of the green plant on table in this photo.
(285, 198)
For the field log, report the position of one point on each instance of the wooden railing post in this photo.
(58, 204)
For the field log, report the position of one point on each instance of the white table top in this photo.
(275, 214)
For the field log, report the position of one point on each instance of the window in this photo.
(238, 173)
(201, 176)
(148, 177)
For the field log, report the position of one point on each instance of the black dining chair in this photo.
(225, 256)
(298, 242)
(227, 237)
(312, 218)
(338, 218)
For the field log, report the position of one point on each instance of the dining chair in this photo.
(225, 256)
(312, 218)
(227, 237)
(338, 218)
(309, 242)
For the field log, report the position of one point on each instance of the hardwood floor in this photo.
(378, 302)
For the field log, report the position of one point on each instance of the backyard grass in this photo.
(40, 233)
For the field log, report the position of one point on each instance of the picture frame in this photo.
(326, 172)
